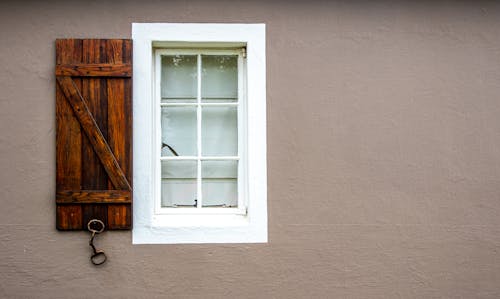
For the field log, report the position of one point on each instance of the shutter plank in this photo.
(116, 117)
(127, 58)
(94, 175)
(118, 216)
(116, 100)
(69, 137)
(69, 217)
(94, 211)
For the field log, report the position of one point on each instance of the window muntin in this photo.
(200, 106)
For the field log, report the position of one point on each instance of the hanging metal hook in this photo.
(98, 257)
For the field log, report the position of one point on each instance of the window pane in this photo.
(219, 183)
(179, 78)
(178, 183)
(219, 79)
(178, 130)
(219, 131)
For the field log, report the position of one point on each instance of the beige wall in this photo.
(383, 156)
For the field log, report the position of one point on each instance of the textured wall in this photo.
(383, 156)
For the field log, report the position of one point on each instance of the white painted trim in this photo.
(205, 211)
(228, 104)
(150, 228)
(199, 194)
(242, 179)
(194, 158)
(197, 51)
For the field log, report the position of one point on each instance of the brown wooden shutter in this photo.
(94, 133)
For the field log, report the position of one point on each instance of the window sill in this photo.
(198, 229)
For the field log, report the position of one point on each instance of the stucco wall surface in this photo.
(383, 155)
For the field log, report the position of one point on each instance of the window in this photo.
(199, 133)
(200, 106)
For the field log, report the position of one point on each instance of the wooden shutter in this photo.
(94, 133)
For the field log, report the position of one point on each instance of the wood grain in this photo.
(69, 217)
(93, 196)
(119, 216)
(69, 141)
(93, 132)
(94, 142)
(93, 90)
(94, 70)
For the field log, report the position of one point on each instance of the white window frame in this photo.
(152, 226)
(240, 104)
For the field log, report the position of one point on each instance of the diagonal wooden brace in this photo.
(94, 134)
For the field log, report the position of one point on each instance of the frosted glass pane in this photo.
(179, 78)
(219, 131)
(178, 130)
(219, 183)
(178, 183)
(219, 79)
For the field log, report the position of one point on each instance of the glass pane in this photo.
(219, 183)
(178, 183)
(178, 131)
(219, 131)
(179, 78)
(219, 78)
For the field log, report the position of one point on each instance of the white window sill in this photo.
(192, 229)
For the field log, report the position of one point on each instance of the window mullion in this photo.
(198, 123)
